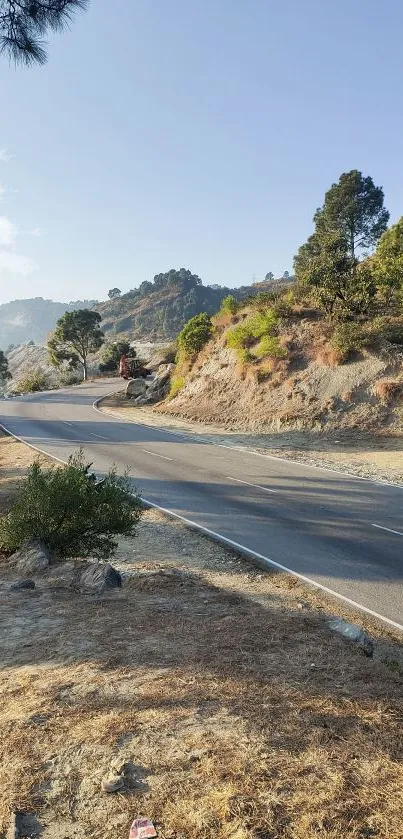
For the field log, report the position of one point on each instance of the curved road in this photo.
(344, 533)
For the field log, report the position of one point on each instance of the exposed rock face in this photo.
(32, 557)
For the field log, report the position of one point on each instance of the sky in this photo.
(191, 133)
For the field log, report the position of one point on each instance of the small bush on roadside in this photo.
(33, 381)
(391, 329)
(348, 338)
(177, 383)
(69, 377)
(73, 513)
(283, 307)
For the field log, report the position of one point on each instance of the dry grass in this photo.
(388, 389)
(329, 356)
(241, 713)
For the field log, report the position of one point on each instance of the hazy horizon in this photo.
(207, 139)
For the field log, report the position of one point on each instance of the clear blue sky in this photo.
(195, 133)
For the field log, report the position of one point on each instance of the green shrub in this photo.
(391, 329)
(256, 325)
(33, 381)
(270, 346)
(229, 305)
(283, 307)
(73, 513)
(195, 334)
(177, 383)
(69, 377)
(348, 338)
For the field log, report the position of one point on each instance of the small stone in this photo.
(22, 584)
(33, 556)
(98, 577)
(353, 633)
(112, 783)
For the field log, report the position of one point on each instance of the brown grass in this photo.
(328, 356)
(388, 389)
(244, 717)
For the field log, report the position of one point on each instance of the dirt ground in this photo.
(369, 455)
(236, 710)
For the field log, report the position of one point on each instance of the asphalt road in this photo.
(344, 533)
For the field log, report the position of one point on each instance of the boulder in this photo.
(32, 557)
(135, 387)
(97, 578)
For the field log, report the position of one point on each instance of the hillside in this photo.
(157, 311)
(32, 319)
(303, 373)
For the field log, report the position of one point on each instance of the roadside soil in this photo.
(237, 711)
(363, 453)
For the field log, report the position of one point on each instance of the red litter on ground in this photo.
(142, 829)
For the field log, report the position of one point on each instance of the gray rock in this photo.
(353, 633)
(135, 387)
(97, 578)
(32, 557)
(23, 825)
(22, 584)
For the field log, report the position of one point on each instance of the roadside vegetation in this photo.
(72, 512)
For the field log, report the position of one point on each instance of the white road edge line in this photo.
(154, 454)
(242, 548)
(99, 436)
(257, 486)
(189, 435)
(379, 526)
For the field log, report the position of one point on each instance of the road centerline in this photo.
(154, 454)
(389, 530)
(257, 486)
(100, 437)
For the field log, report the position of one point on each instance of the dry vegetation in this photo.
(237, 711)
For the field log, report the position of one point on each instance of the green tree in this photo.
(324, 264)
(5, 374)
(269, 277)
(76, 336)
(387, 262)
(195, 334)
(112, 353)
(23, 24)
(229, 305)
(113, 293)
(354, 208)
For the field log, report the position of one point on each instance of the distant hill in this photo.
(25, 320)
(157, 311)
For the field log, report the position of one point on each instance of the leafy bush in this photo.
(269, 345)
(283, 306)
(256, 325)
(73, 513)
(391, 329)
(229, 305)
(68, 378)
(33, 381)
(195, 334)
(348, 338)
(177, 383)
